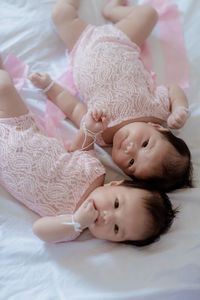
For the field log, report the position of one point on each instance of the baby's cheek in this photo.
(96, 231)
(116, 156)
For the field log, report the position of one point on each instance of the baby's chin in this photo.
(93, 231)
(91, 228)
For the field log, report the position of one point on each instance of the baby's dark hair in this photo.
(176, 169)
(162, 214)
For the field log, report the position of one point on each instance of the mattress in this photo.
(89, 268)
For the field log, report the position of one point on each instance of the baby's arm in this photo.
(179, 107)
(66, 227)
(94, 123)
(70, 105)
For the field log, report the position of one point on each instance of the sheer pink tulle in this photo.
(17, 69)
(66, 81)
(53, 115)
(172, 43)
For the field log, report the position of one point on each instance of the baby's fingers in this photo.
(105, 118)
(91, 210)
(95, 114)
(35, 76)
(173, 122)
(100, 115)
(178, 118)
(89, 204)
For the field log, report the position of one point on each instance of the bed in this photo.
(89, 268)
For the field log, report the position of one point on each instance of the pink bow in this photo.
(172, 43)
(17, 69)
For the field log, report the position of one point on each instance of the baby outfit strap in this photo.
(48, 87)
(77, 226)
(87, 133)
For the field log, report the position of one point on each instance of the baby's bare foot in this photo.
(40, 80)
(107, 10)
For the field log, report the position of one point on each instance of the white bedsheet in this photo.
(95, 269)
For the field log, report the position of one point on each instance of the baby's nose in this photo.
(101, 217)
(108, 217)
(129, 148)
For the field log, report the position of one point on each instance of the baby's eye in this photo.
(116, 203)
(145, 144)
(116, 228)
(131, 162)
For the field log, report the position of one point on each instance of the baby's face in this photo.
(122, 215)
(139, 149)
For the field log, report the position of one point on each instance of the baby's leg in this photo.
(67, 21)
(136, 22)
(73, 108)
(11, 104)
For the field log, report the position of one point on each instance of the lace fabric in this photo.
(37, 170)
(108, 72)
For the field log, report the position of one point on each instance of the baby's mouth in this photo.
(100, 219)
(94, 204)
(97, 211)
(123, 143)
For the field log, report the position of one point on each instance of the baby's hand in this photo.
(40, 80)
(178, 117)
(86, 214)
(96, 120)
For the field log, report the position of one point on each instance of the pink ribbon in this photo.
(17, 69)
(53, 118)
(53, 115)
(67, 82)
(51, 122)
(172, 43)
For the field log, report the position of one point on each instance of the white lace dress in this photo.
(108, 72)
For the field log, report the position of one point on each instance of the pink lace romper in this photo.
(108, 72)
(38, 171)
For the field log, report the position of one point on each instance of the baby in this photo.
(108, 72)
(66, 189)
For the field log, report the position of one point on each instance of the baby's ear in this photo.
(159, 127)
(116, 182)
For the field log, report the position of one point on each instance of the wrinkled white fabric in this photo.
(92, 269)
